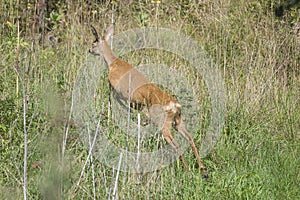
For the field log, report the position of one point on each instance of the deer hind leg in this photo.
(166, 131)
(182, 130)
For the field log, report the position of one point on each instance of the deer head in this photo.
(100, 45)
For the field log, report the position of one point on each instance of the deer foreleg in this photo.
(166, 131)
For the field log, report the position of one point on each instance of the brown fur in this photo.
(134, 87)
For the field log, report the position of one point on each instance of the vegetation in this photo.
(258, 54)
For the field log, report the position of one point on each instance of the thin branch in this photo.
(67, 128)
(24, 120)
(93, 169)
(138, 144)
(117, 177)
(89, 155)
(65, 138)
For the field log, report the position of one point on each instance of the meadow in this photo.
(42, 154)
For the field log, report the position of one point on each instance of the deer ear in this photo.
(95, 33)
(109, 32)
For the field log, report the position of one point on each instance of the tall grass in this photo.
(257, 156)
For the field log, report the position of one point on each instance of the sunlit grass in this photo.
(257, 156)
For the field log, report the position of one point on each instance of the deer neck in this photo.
(108, 54)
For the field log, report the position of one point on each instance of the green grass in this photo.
(258, 55)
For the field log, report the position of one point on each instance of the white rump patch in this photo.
(172, 107)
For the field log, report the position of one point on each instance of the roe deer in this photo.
(134, 87)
